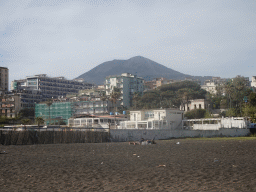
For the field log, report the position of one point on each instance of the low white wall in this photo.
(135, 135)
(206, 126)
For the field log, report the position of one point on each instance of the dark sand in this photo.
(193, 165)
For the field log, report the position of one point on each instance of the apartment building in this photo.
(154, 119)
(37, 88)
(10, 105)
(128, 84)
(4, 79)
(211, 85)
(253, 83)
(68, 109)
(50, 87)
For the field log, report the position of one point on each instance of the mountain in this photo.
(140, 66)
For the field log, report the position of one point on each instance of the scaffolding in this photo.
(61, 110)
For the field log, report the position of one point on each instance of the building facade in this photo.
(253, 83)
(4, 79)
(196, 104)
(128, 84)
(10, 105)
(154, 119)
(38, 88)
(66, 110)
(50, 87)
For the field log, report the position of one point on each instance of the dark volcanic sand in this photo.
(193, 165)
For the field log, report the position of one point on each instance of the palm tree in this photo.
(39, 121)
(103, 97)
(114, 96)
(25, 122)
(136, 97)
(49, 103)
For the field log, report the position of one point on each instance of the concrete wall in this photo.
(135, 135)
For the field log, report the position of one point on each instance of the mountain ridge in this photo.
(138, 65)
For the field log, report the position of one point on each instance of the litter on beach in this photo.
(161, 166)
(178, 143)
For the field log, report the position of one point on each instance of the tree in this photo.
(196, 114)
(39, 121)
(170, 95)
(49, 103)
(135, 98)
(26, 113)
(185, 95)
(235, 91)
(114, 96)
(249, 109)
(103, 97)
(25, 122)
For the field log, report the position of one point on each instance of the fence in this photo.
(51, 137)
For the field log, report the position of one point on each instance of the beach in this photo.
(170, 165)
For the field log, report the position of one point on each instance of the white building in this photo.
(128, 84)
(216, 123)
(253, 83)
(210, 86)
(154, 119)
(195, 104)
(105, 122)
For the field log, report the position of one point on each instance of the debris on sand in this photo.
(178, 143)
(161, 166)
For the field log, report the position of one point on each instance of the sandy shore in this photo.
(192, 165)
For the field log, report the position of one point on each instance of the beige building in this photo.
(10, 105)
(253, 83)
(154, 119)
(195, 104)
(210, 86)
(4, 79)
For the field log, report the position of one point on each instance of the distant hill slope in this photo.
(140, 66)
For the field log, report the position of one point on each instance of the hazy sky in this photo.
(69, 37)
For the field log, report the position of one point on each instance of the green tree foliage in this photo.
(197, 114)
(103, 98)
(249, 108)
(27, 113)
(170, 95)
(235, 91)
(114, 96)
(39, 121)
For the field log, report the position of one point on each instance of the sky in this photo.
(70, 37)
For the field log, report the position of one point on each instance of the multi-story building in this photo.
(211, 85)
(253, 83)
(38, 88)
(66, 110)
(50, 87)
(128, 84)
(10, 105)
(154, 119)
(195, 104)
(4, 79)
